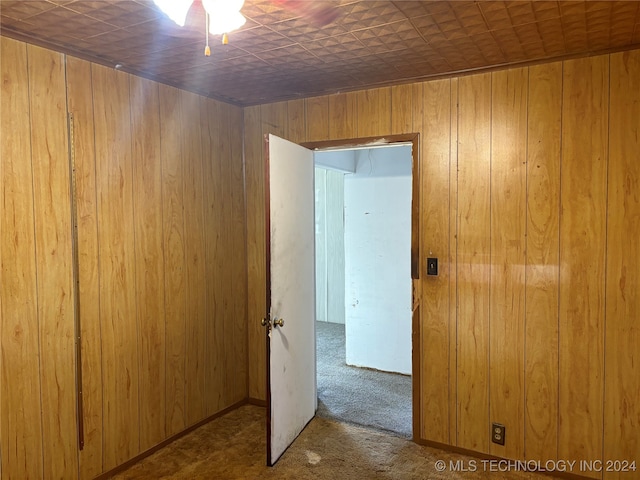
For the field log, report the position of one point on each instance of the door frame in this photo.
(414, 139)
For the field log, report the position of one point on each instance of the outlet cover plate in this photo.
(498, 432)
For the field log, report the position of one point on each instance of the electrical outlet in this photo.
(497, 433)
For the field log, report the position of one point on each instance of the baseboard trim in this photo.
(257, 402)
(484, 456)
(172, 438)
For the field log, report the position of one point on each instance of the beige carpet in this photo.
(361, 396)
(233, 447)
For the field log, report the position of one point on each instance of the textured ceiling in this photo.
(292, 49)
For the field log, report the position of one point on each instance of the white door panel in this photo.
(292, 398)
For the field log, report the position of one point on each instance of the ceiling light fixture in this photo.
(223, 16)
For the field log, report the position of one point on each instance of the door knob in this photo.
(265, 322)
(278, 322)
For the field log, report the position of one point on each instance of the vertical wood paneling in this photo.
(79, 97)
(508, 224)
(125, 162)
(215, 327)
(114, 174)
(21, 428)
(622, 375)
(418, 413)
(343, 115)
(435, 243)
(297, 124)
(473, 268)
(194, 245)
(174, 255)
(239, 256)
(317, 114)
(54, 269)
(417, 119)
(274, 118)
(255, 251)
(582, 258)
(542, 270)
(120, 233)
(374, 112)
(401, 109)
(147, 199)
(524, 356)
(453, 261)
(1, 337)
(225, 203)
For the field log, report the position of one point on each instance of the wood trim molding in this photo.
(121, 468)
(414, 139)
(483, 456)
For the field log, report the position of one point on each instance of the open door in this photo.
(290, 303)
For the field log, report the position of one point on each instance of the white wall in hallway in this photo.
(329, 192)
(377, 200)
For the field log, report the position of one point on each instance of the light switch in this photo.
(432, 266)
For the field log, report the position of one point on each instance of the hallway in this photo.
(355, 395)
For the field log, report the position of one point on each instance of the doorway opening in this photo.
(363, 285)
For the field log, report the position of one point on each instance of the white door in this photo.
(291, 348)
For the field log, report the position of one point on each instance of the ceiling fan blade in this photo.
(194, 25)
(318, 14)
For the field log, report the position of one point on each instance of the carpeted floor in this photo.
(359, 395)
(233, 447)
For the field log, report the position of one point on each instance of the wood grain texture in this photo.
(274, 118)
(401, 109)
(473, 268)
(225, 204)
(417, 153)
(194, 245)
(239, 258)
(317, 114)
(546, 378)
(542, 265)
(1, 381)
(582, 258)
(80, 104)
(149, 254)
(171, 149)
(508, 228)
(54, 268)
(622, 348)
(210, 118)
(255, 251)
(434, 306)
(122, 272)
(343, 115)
(373, 112)
(114, 175)
(453, 260)
(21, 428)
(296, 125)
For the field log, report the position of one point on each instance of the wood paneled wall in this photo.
(38, 431)
(530, 181)
(162, 264)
